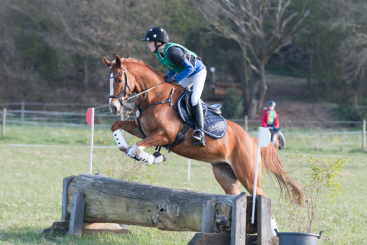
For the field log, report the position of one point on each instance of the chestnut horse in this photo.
(232, 157)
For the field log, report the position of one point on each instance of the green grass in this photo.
(31, 186)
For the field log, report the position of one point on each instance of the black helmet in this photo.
(156, 34)
(271, 103)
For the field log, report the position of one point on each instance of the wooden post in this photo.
(65, 216)
(238, 226)
(263, 217)
(77, 214)
(246, 123)
(207, 222)
(22, 110)
(364, 134)
(4, 122)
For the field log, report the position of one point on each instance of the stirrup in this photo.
(198, 140)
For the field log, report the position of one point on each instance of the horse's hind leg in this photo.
(224, 175)
(246, 177)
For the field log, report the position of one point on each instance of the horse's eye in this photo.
(119, 81)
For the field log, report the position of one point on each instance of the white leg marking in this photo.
(273, 226)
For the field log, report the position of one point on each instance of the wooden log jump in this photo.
(224, 219)
(116, 201)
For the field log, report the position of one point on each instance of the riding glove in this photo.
(170, 79)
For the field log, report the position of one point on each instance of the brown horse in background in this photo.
(232, 157)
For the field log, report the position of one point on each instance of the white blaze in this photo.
(111, 87)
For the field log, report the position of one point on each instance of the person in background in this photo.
(184, 67)
(270, 120)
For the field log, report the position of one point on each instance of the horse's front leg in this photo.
(128, 126)
(157, 138)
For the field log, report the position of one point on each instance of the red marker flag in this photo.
(89, 116)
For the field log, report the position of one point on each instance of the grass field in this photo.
(31, 184)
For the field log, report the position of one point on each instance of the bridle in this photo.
(137, 106)
(123, 93)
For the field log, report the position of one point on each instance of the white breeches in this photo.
(197, 81)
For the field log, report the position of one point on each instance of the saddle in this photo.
(214, 124)
(215, 109)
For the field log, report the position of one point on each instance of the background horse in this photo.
(232, 157)
(280, 142)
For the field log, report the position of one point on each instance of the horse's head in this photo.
(119, 85)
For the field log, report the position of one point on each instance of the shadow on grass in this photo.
(26, 235)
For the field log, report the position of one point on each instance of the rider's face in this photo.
(271, 108)
(151, 46)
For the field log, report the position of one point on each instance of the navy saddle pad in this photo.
(214, 125)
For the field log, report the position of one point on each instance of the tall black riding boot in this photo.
(199, 138)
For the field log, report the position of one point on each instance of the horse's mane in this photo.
(142, 63)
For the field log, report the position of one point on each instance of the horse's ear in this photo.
(106, 62)
(118, 62)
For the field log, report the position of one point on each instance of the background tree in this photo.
(260, 28)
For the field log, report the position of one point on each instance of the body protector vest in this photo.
(169, 64)
(271, 117)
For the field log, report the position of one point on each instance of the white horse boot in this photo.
(274, 138)
(273, 227)
(137, 153)
(120, 140)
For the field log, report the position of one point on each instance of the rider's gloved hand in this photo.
(169, 79)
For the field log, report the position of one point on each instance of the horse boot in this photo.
(274, 138)
(199, 138)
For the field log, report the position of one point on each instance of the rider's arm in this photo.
(189, 69)
(170, 73)
(276, 120)
(264, 119)
(177, 56)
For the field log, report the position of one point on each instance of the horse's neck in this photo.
(145, 79)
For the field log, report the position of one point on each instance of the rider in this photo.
(184, 67)
(270, 119)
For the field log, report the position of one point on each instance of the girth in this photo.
(139, 110)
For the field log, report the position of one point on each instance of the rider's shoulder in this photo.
(176, 55)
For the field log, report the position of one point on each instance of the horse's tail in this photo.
(272, 164)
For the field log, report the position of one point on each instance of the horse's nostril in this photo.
(114, 110)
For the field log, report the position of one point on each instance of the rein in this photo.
(123, 93)
(139, 109)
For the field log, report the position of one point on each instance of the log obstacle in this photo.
(219, 219)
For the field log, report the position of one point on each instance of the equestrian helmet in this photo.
(156, 34)
(271, 103)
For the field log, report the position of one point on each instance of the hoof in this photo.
(159, 158)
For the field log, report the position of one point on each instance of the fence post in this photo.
(246, 123)
(4, 122)
(22, 110)
(364, 134)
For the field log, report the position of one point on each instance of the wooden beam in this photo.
(77, 214)
(65, 216)
(263, 209)
(210, 239)
(238, 227)
(207, 223)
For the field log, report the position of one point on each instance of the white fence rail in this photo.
(73, 115)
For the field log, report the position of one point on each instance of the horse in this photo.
(280, 141)
(232, 157)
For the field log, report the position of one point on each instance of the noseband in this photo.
(123, 94)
